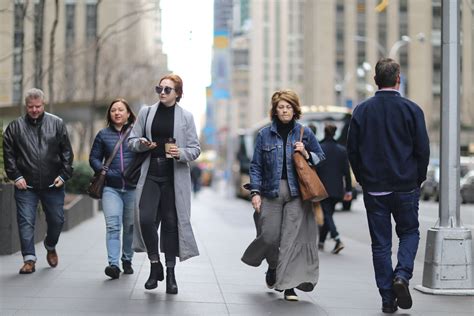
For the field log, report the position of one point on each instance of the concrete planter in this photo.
(10, 241)
(77, 208)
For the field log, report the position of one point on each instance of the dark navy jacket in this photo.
(334, 169)
(102, 148)
(388, 145)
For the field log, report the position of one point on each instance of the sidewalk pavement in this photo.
(215, 283)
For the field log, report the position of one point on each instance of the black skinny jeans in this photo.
(157, 205)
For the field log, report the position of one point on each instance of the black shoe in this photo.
(402, 292)
(306, 287)
(290, 295)
(171, 286)
(112, 271)
(270, 278)
(156, 274)
(390, 307)
(338, 247)
(127, 267)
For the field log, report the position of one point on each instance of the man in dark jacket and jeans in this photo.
(38, 157)
(388, 149)
(335, 174)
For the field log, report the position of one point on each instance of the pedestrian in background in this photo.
(286, 228)
(196, 173)
(164, 188)
(335, 174)
(388, 149)
(317, 209)
(38, 157)
(118, 198)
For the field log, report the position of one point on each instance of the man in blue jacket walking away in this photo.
(388, 148)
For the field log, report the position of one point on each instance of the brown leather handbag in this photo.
(311, 187)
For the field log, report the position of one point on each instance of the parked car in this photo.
(467, 188)
(466, 165)
(430, 187)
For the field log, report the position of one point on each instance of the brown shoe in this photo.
(52, 258)
(28, 267)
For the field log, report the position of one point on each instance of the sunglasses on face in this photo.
(160, 89)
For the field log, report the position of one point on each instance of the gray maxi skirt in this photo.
(287, 237)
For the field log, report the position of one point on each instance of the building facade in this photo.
(121, 38)
(326, 50)
(101, 50)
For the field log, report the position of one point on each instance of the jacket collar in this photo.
(37, 121)
(388, 92)
(328, 139)
(273, 126)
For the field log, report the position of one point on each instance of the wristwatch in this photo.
(253, 193)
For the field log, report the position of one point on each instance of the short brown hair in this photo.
(131, 118)
(289, 96)
(330, 130)
(387, 71)
(178, 82)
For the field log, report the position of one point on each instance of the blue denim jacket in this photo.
(267, 162)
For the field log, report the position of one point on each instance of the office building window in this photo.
(18, 36)
(91, 33)
(91, 22)
(340, 52)
(360, 20)
(266, 42)
(404, 31)
(277, 29)
(69, 42)
(382, 31)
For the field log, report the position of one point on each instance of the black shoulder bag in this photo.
(96, 185)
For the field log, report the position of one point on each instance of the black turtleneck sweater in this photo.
(283, 130)
(162, 128)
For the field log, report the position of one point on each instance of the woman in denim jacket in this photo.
(286, 228)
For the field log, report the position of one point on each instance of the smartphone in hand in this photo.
(145, 141)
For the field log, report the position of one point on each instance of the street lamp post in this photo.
(392, 53)
(448, 268)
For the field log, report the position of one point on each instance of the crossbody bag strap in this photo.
(301, 133)
(105, 167)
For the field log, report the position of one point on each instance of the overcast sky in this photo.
(187, 31)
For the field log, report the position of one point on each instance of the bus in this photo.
(313, 116)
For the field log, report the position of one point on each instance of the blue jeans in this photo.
(328, 205)
(27, 201)
(403, 206)
(118, 208)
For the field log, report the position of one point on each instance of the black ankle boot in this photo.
(156, 274)
(171, 286)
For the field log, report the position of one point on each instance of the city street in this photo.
(216, 282)
(349, 224)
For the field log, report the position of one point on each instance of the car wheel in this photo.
(425, 197)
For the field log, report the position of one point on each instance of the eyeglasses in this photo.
(160, 89)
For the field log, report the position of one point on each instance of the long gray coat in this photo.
(189, 149)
